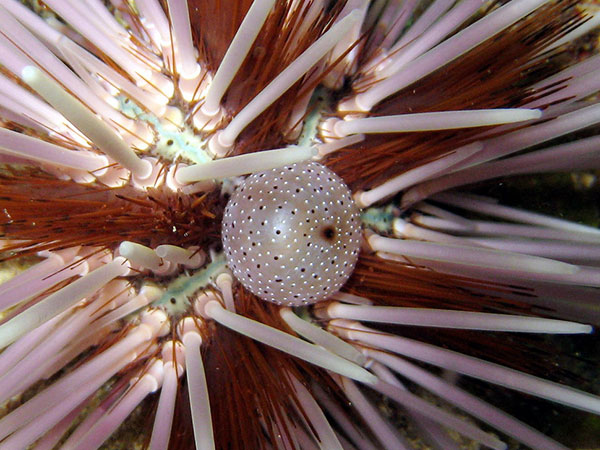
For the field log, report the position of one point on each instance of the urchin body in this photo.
(292, 235)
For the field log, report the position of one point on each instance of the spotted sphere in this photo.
(292, 235)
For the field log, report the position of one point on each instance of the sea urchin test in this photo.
(292, 234)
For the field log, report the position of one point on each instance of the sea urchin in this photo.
(168, 165)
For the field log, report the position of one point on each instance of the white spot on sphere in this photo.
(292, 235)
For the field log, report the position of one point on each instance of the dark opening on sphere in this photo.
(292, 235)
